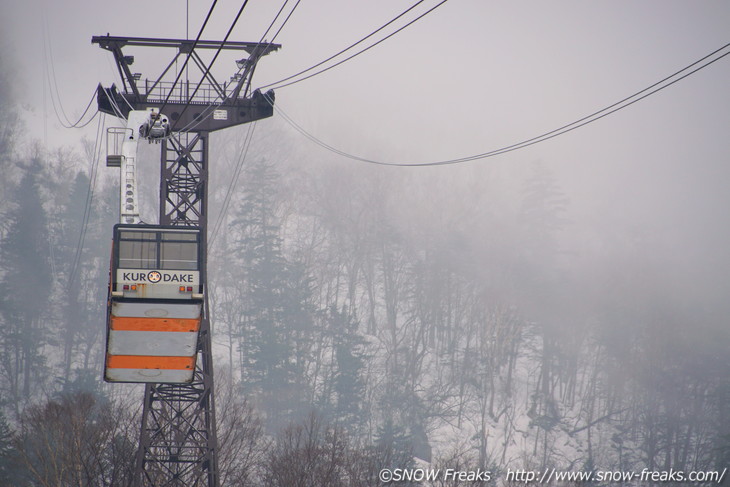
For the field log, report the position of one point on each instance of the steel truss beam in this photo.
(206, 105)
(184, 180)
(178, 443)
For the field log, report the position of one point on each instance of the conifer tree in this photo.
(25, 287)
(394, 446)
(275, 333)
(350, 357)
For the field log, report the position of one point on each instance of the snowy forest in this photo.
(362, 317)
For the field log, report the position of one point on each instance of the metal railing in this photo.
(115, 137)
(207, 93)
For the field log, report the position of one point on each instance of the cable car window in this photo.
(136, 254)
(188, 237)
(179, 255)
(155, 248)
(131, 235)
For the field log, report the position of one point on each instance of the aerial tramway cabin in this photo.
(155, 304)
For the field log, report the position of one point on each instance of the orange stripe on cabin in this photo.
(155, 324)
(147, 362)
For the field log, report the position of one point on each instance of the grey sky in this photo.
(472, 76)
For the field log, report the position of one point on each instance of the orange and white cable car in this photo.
(155, 304)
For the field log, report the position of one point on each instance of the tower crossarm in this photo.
(203, 105)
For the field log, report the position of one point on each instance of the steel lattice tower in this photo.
(178, 445)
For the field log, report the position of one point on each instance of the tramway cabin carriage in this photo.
(155, 304)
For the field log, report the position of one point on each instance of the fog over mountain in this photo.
(561, 306)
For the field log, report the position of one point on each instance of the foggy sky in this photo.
(470, 77)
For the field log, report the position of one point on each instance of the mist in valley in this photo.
(563, 306)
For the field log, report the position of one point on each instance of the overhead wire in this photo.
(207, 69)
(48, 62)
(277, 84)
(52, 80)
(208, 110)
(77, 124)
(50, 76)
(276, 17)
(115, 106)
(187, 58)
(93, 173)
(247, 142)
(593, 117)
(249, 135)
(232, 184)
(286, 20)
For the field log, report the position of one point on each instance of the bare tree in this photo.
(241, 443)
(77, 440)
(311, 454)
